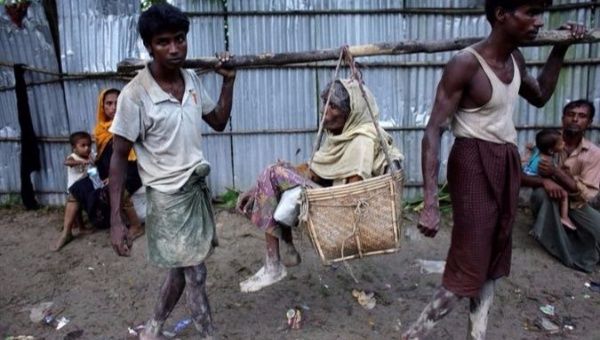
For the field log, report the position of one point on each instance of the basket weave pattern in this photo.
(355, 220)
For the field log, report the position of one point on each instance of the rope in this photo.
(316, 144)
(304, 206)
(358, 213)
(357, 74)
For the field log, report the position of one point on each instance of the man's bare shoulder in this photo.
(519, 58)
(461, 66)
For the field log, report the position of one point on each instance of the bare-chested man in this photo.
(160, 112)
(477, 93)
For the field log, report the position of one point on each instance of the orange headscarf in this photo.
(103, 136)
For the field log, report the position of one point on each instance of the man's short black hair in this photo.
(159, 18)
(581, 102)
(77, 136)
(509, 5)
(546, 139)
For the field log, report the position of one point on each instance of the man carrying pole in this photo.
(160, 113)
(477, 93)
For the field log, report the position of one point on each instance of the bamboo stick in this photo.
(385, 48)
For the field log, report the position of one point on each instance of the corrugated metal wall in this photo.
(276, 109)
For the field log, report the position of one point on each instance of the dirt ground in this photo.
(103, 294)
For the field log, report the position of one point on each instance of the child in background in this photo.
(78, 162)
(549, 144)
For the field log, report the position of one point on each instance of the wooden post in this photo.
(385, 48)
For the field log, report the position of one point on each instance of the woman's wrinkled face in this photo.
(110, 105)
(335, 119)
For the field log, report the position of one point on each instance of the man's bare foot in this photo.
(265, 276)
(568, 223)
(136, 231)
(62, 241)
(290, 256)
(146, 335)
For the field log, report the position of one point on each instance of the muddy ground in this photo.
(103, 294)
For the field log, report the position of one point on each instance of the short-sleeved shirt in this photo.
(77, 172)
(166, 133)
(584, 165)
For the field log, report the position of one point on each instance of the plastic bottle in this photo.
(94, 177)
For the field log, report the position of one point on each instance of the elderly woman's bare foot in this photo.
(62, 241)
(290, 256)
(266, 276)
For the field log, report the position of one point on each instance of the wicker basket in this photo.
(355, 220)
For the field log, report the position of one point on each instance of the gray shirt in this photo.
(166, 133)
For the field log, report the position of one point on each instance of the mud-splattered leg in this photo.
(169, 295)
(441, 304)
(197, 300)
(479, 309)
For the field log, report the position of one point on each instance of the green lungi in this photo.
(579, 249)
(181, 226)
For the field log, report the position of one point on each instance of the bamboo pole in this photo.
(385, 48)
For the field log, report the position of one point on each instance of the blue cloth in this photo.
(531, 168)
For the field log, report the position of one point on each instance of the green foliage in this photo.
(8, 201)
(418, 203)
(228, 199)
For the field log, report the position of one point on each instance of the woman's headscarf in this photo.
(357, 150)
(103, 123)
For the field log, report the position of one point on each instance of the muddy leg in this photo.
(273, 270)
(169, 295)
(197, 300)
(441, 304)
(290, 256)
(479, 309)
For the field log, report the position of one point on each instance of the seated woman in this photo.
(351, 152)
(107, 107)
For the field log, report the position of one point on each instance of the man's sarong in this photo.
(484, 180)
(180, 226)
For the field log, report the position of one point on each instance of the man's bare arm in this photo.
(537, 91)
(456, 77)
(553, 189)
(117, 174)
(558, 175)
(219, 116)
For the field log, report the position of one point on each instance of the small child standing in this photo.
(78, 163)
(549, 144)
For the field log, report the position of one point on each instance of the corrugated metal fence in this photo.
(276, 109)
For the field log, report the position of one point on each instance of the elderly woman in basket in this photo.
(351, 152)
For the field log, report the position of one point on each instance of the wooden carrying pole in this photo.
(404, 47)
